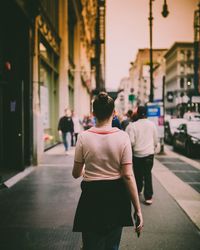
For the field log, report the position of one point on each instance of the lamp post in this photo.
(197, 50)
(165, 13)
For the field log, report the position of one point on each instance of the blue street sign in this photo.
(153, 111)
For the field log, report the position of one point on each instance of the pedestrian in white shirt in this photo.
(77, 127)
(144, 139)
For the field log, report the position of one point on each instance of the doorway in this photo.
(15, 89)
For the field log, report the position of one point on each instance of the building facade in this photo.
(123, 102)
(179, 82)
(46, 65)
(159, 80)
(140, 76)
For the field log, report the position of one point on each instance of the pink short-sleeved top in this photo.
(103, 151)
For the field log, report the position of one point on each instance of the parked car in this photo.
(192, 116)
(170, 127)
(187, 138)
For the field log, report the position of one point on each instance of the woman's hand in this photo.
(138, 222)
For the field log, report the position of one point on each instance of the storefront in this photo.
(48, 64)
(48, 81)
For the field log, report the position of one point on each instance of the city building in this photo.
(159, 80)
(122, 102)
(134, 90)
(179, 82)
(139, 73)
(50, 55)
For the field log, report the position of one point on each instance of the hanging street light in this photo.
(165, 13)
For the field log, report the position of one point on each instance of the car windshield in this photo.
(193, 127)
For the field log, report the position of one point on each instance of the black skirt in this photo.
(103, 205)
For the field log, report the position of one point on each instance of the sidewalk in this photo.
(37, 212)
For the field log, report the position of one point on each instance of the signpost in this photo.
(131, 98)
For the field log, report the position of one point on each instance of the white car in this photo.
(192, 116)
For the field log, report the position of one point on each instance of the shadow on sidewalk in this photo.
(37, 212)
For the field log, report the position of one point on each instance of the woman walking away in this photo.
(103, 157)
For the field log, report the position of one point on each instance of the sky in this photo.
(127, 30)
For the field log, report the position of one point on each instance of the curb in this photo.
(13, 180)
(185, 196)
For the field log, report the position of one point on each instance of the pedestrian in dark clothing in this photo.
(126, 121)
(66, 129)
(144, 138)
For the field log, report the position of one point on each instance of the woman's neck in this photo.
(106, 123)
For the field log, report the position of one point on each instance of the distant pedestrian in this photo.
(115, 121)
(77, 127)
(87, 122)
(127, 119)
(66, 128)
(103, 157)
(144, 139)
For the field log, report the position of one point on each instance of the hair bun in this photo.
(103, 97)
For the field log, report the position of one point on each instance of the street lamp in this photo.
(197, 50)
(165, 13)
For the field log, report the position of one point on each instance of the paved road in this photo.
(196, 159)
(37, 213)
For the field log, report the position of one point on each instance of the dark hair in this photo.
(129, 113)
(103, 106)
(141, 112)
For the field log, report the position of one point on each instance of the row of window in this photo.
(188, 68)
(186, 55)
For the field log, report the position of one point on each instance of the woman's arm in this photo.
(129, 179)
(78, 170)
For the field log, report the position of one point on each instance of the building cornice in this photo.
(177, 45)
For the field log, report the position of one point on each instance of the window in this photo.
(48, 75)
(182, 55)
(182, 83)
(189, 54)
(44, 52)
(182, 68)
(189, 69)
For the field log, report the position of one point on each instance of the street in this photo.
(37, 212)
(197, 159)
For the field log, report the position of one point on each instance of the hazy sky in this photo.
(127, 30)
